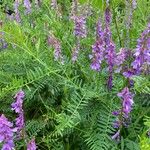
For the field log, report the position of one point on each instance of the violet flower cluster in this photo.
(142, 51)
(6, 133)
(17, 106)
(98, 49)
(31, 145)
(123, 114)
(27, 6)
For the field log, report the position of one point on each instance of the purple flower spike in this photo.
(17, 13)
(98, 49)
(80, 26)
(27, 5)
(6, 133)
(127, 98)
(31, 145)
(107, 16)
(142, 51)
(52, 41)
(18, 108)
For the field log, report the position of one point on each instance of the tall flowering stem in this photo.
(142, 51)
(31, 145)
(6, 133)
(109, 48)
(17, 106)
(123, 114)
(98, 48)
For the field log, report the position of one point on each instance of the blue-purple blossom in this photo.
(17, 106)
(6, 133)
(142, 51)
(31, 145)
(27, 6)
(80, 26)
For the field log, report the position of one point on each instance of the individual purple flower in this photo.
(27, 5)
(80, 26)
(17, 106)
(6, 133)
(31, 145)
(142, 51)
(129, 73)
(116, 136)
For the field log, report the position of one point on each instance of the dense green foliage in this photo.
(68, 106)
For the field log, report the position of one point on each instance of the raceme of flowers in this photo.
(9, 132)
(6, 133)
(18, 108)
(122, 115)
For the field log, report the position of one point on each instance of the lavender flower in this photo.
(6, 133)
(121, 57)
(123, 114)
(17, 13)
(52, 41)
(31, 145)
(109, 48)
(98, 49)
(142, 51)
(134, 4)
(75, 52)
(80, 26)
(116, 136)
(127, 103)
(27, 5)
(18, 108)
(111, 62)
